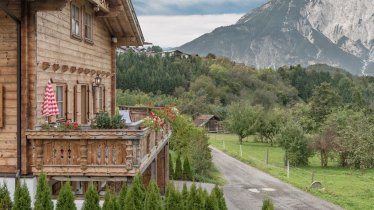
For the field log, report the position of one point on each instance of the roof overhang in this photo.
(121, 21)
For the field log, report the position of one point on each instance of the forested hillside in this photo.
(318, 104)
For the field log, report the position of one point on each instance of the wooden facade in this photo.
(71, 43)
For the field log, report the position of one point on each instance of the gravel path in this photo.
(246, 188)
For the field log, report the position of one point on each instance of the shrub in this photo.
(185, 194)
(5, 201)
(220, 197)
(130, 200)
(153, 199)
(117, 122)
(66, 198)
(211, 202)
(178, 174)
(103, 120)
(43, 198)
(173, 199)
(171, 167)
(108, 201)
(139, 191)
(91, 199)
(22, 200)
(267, 205)
(194, 199)
(122, 195)
(187, 174)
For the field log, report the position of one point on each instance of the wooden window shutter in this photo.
(77, 107)
(1, 106)
(96, 98)
(90, 103)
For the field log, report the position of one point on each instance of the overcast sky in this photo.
(171, 23)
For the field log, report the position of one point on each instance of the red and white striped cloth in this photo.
(49, 107)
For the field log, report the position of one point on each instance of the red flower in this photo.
(76, 125)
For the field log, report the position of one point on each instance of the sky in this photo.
(172, 23)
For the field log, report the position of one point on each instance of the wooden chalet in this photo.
(72, 43)
(210, 123)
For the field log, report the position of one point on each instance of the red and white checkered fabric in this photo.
(49, 107)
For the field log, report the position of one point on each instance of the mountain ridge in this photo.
(290, 32)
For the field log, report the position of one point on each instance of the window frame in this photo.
(63, 114)
(79, 21)
(89, 40)
(101, 98)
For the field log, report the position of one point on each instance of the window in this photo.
(88, 27)
(75, 21)
(60, 100)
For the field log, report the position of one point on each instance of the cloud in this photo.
(173, 31)
(189, 7)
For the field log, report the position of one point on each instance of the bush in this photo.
(91, 199)
(187, 174)
(171, 167)
(173, 198)
(22, 200)
(153, 199)
(295, 144)
(194, 199)
(117, 122)
(220, 198)
(139, 191)
(5, 201)
(178, 174)
(130, 200)
(66, 198)
(105, 121)
(108, 201)
(267, 205)
(122, 195)
(43, 198)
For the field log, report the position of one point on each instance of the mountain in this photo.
(339, 33)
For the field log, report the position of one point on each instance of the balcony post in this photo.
(83, 153)
(39, 154)
(129, 155)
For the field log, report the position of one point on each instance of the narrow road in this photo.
(247, 187)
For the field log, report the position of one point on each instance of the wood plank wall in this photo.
(8, 81)
(56, 46)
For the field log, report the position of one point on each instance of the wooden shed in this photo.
(211, 123)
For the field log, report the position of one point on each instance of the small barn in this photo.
(211, 123)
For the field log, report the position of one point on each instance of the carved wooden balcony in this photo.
(92, 152)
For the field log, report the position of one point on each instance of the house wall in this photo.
(8, 83)
(56, 46)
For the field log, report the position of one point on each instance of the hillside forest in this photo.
(306, 110)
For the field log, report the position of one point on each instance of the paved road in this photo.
(247, 187)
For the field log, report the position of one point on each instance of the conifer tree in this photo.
(108, 201)
(22, 200)
(171, 167)
(178, 174)
(122, 195)
(211, 202)
(267, 205)
(5, 201)
(66, 198)
(185, 194)
(130, 200)
(203, 195)
(115, 202)
(194, 200)
(172, 201)
(139, 191)
(43, 197)
(187, 174)
(91, 199)
(220, 198)
(153, 199)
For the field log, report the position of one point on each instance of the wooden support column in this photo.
(161, 170)
(83, 154)
(113, 80)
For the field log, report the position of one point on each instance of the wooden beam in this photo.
(47, 5)
(114, 11)
(102, 5)
(127, 41)
(4, 7)
(1, 106)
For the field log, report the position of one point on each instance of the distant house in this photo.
(211, 123)
(176, 53)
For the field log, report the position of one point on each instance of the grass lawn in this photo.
(350, 189)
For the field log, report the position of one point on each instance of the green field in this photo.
(351, 189)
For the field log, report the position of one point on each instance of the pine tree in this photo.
(211, 202)
(115, 202)
(5, 201)
(130, 200)
(22, 200)
(194, 200)
(220, 198)
(267, 205)
(139, 191)
(91, 199)
(173, 199)
(108, 201)
(187, 174)
(171, 167)
(203, 195)
(178, 168)
(122, 195)
(43, 197)
(153, 199)
(66, 198)
(185, 194)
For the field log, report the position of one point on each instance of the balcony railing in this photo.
(93, 152)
